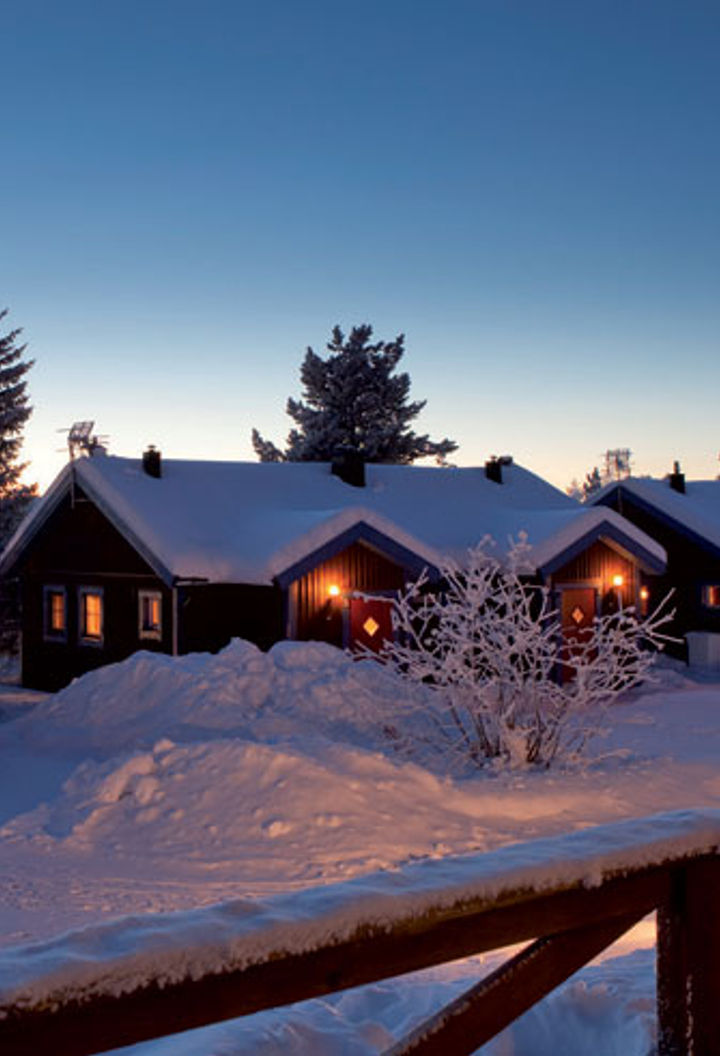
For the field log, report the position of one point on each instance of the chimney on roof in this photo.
(349, 465)
(494, 467)
(152, 462)
(676, 480)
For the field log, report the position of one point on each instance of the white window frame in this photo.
(153, 632)
(83, 637)
(49, 633)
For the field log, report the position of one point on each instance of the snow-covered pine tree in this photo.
(15, 497)
(15, 410)
(353, 400)
(592, 484)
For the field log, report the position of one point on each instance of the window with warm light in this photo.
(90, 606)
(711, 595)
(150, 614)
(54, 613)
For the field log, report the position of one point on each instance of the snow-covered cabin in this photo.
(684, 516)
(123, 554)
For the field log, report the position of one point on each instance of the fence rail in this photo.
(566, 925)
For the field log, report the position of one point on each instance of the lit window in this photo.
(150, 614)
(91, 615)
(55, 613)
(711, 595)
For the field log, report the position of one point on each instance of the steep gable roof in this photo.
(694, 513)
(255, 522)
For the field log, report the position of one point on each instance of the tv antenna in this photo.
(82, 441)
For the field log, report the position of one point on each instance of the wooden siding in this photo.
(595, 567)
(689, 568)
(79, 538)
(78, 547)
(211, 614)
(314, 614)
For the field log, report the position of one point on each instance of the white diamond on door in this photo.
(371, 626)
(577, 614)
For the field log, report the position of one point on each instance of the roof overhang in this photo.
(61, 488)
(628, 541)
(378, 540)
(630, 495)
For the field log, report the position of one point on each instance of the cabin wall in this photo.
(314, 614)
(596, 567)
(79, 548)
(690, 567)
(211, 614)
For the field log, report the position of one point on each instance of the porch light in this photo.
(618, 580)
(644, 593)
(334, 590)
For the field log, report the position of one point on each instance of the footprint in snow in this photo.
(276, 828)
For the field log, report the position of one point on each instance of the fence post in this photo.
(688, 962)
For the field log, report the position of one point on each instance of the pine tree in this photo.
(574, 490)
(14, 413)
(617, 465)
(14, 496)
(592, 484)
(353, 401)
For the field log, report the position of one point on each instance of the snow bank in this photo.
(119, 957)
(298, 689)
(166, 784)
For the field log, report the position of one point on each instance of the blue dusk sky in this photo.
(193, 192)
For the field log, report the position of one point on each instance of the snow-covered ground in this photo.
(163, 784)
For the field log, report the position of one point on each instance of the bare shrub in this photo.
(509, 687)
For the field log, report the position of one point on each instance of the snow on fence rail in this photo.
(142, 977)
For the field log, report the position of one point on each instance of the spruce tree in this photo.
(592, 484)
(15, 497)
(354, 401)
(15, 410)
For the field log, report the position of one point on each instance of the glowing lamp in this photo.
(334, 590)
(644, 593)
(618, 580)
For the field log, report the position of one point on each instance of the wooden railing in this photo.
(568, 900)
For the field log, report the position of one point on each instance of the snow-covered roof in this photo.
(697, 509)
(251, 522)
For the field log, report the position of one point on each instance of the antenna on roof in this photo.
(82, 441)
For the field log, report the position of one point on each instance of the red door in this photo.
(370, 622)
(577, 612)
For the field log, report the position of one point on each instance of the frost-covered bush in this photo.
(510, 687)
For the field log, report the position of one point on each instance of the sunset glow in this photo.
(195, 196)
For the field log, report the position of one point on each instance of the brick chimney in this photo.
(152, 462)
(676, 480)
(349, 465)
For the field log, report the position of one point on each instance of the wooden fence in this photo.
(566, 925)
